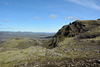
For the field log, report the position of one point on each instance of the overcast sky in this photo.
(45, 15)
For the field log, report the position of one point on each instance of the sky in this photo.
(45, 15)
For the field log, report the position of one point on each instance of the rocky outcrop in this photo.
(71, 30)
(76, 28)
(98, 19)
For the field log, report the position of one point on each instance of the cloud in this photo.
(22, 19)
(0, 24)
(36, 18)
(53, 16)
(5, 20)
(6, 4)
(87, 3)
(7, 28)
(73, 18)
(15, 21)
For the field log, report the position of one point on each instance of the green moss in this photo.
(20, 43)
(68, 47)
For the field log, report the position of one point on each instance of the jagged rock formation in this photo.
(76, 28)
(98, 19)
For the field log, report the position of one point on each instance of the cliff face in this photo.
(73, 29)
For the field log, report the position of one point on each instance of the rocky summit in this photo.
(77, 28)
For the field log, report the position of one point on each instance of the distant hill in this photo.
(8, 34)
(20, 43)
(5, 35)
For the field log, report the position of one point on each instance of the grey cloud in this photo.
(36, 18)
(5, 20)
(53, 16)
(6, 4)
(73, 18)
(0, 24)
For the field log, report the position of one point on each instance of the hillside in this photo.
(74, 45)
(20, 43)
(5, 35)
(79, 29)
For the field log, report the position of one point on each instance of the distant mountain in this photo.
(8, 34)
(11, 32)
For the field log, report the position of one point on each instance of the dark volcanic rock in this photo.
(68, 31)
(98, 61)
(98, 19)
(76, 28)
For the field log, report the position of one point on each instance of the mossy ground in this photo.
(38, 55)
(25, 52)
(20, 43)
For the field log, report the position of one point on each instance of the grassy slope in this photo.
(71, 47)
(38, 55)
(20, 43)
